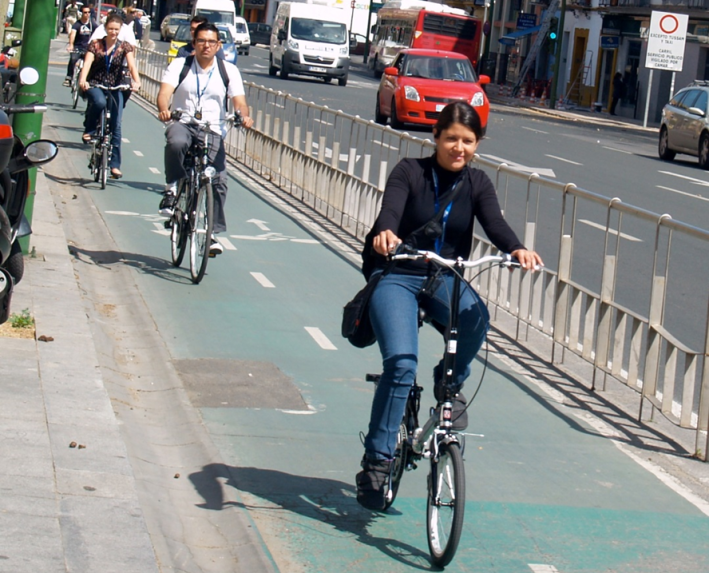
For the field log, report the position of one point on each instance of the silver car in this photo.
(170, 23)
(685, 127)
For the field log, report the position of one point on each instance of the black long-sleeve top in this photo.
(409, 202)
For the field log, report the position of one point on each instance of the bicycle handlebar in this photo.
(406, 253)
(234, 119)
(122, 87)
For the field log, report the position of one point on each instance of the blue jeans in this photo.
(394, 313)
(97, 100)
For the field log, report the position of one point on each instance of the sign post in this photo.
(665, 46)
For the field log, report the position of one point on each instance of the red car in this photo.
(420, 83)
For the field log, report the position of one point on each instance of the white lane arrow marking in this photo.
(260, 224)
(542, 172)
(692, 179)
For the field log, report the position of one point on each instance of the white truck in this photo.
(312, 40)
(223, 12)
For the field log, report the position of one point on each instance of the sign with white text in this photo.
(665, 42)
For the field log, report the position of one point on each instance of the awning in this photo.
(512, 37)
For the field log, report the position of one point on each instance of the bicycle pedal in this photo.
(168, 224)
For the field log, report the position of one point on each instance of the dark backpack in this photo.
(222, 72)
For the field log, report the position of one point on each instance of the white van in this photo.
(311, 40)
(224, 12)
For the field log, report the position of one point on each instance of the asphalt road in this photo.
(283, 399)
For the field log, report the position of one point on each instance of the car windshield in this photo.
(241, 28)
(318, 31)
(183, 34)
(217, 17)
(434, 68)
(175, 20)
(225, 36)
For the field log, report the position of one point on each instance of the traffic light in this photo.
(553, 32)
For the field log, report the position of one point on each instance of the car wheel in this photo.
(342, 82)
(395, 122)
(284, 70)
(663, 147)
(247, 51)
(704, 151)
(271, 68)
(379, 117)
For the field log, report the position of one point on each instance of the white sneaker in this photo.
(171, 188)
(215, 248)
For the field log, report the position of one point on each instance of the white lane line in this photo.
(124, 140)
(318, 120)
(619, 150)
(692, 179)
(262, 280)
(692, 195)
(535, 130)
(611, 231)
(540, 568)
(138, 153)
(562, 159)
(385, 145)
(538, 170)
(318, 336)
(306, 241)
(160, 229)
(154, 170)
(226, 243)
(129, 213)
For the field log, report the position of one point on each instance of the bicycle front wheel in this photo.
(104, 166)
(180, 225)
(446, 503)
(75, 92)
(201, 236)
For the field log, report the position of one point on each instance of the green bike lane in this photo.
(545, 492)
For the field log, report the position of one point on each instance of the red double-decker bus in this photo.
(420, 24)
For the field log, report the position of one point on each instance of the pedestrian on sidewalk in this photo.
(618, 91)
(104, 66)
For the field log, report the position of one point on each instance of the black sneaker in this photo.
(167, 205)
(372, 483)
(215, 247)
(459, 416)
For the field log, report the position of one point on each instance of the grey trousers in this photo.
(178, 138)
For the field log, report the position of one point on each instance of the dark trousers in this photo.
(73, 58)
(97, 101)
(179, 138)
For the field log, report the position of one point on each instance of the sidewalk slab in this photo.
(68, 500)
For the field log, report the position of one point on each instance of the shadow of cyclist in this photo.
(327, 501)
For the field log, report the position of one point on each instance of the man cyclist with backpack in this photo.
(200, 85)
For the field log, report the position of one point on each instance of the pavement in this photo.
(69, 500)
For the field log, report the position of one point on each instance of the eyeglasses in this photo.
(210, 43)
(86, 11)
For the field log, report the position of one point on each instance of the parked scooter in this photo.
(15, 161)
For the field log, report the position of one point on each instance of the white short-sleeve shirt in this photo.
(210, 98)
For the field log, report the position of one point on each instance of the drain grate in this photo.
(216, 383)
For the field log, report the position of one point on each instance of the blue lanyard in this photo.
(109, 55)
(209, 77)
(441, 239)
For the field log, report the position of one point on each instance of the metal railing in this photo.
(622, 289)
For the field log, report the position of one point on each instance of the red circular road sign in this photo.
(667, 22)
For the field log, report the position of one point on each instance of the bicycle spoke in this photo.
(201, 232)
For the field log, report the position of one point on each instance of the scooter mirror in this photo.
(29, 76)
(41, 151)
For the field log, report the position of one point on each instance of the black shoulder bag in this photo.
(356, 324)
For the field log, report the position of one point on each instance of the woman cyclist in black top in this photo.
(414, 193)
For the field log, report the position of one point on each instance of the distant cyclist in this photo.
(188, 49)
(79, 41)
(200, 85)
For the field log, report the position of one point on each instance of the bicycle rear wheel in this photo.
(201, 236)
(75, 84)
(180, 224)
(95, 164)
(446, 503)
